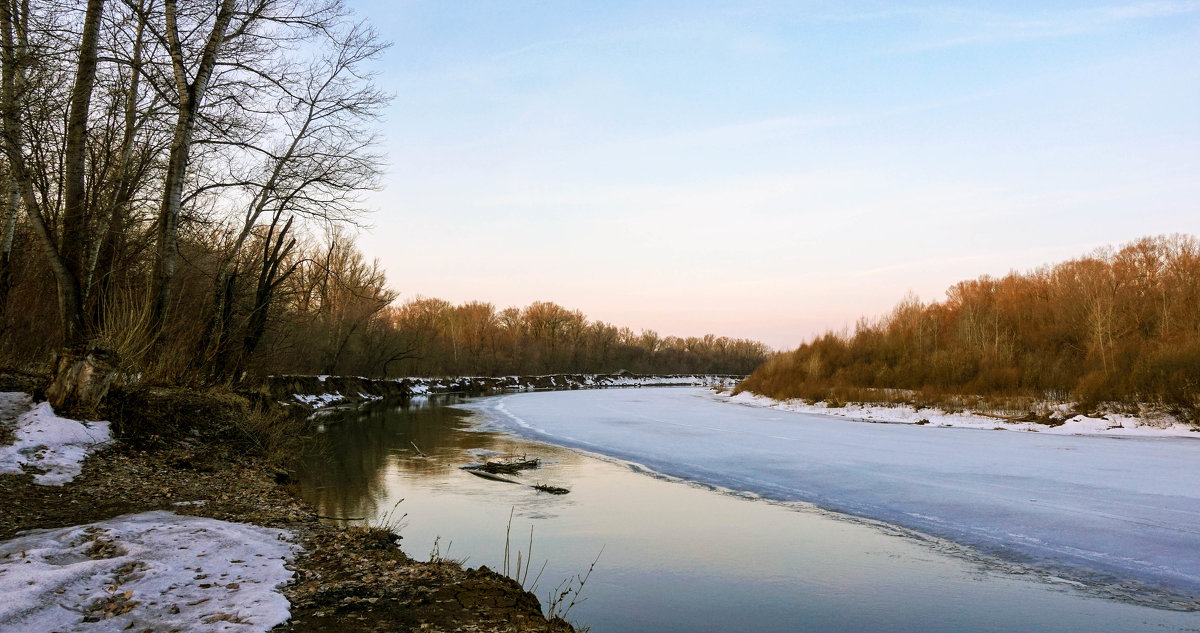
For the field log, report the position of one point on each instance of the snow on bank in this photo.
(693, 380)
(1116, 424)
(319, 400)
(154, 571)
(51, 447)
(551, 382)
(324, 396)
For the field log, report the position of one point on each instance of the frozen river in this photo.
(682, 558)
(1121, 515)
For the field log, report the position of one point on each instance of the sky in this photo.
(772, 170)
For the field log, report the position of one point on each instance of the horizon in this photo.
(772, 173)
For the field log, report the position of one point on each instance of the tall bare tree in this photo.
(191, 85)
(80, 376)
(223, 61)
(11, 210)
(315, 155)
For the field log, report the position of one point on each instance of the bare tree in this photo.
(315, 155)
(81, 376)
(162, 154)
(11, 209)
(191, 85)
(223, 60)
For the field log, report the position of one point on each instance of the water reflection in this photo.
(678, 557)
(350, 471)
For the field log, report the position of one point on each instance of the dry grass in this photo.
(151, 417)
(273, 432)
(127, 329)
(1115, 329)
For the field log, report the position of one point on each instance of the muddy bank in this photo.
(216, 462)
(321, 391)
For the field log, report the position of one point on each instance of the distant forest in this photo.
(432, 337)
(1118, 326)
(334, 314)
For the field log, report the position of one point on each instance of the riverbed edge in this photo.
(324, 392)
(346, 578)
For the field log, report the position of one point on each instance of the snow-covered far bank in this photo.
(151, 571)
(320, 400)
(318, 392)
(482, 385)
(1115, 424)
(51, 447)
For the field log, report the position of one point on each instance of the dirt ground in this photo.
(347, 579)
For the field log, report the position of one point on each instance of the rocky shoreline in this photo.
(188, 453)
(317, 392)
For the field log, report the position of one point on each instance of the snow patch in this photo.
(319, 400)
(150, 571)
(51, 447)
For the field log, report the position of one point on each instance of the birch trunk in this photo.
(190, 95)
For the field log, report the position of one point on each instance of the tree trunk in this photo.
(190, 95)
(222, 345)
(269, 278)
(168, 221)
(74, 219)
(82, 377)
(10, 229)
(108, 236)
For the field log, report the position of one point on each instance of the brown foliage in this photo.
(475, 339)
(335, 315)
(1118, 326)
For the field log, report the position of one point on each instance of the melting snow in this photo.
(152, 571)
(51, 447)
(319, 400)
(1109, 424)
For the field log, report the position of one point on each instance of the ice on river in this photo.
(1122, 511)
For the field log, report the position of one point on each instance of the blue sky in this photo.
(773, 170)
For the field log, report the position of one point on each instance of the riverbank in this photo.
(1055, 419)
(317, 392)
(689, 543)
(206, 471)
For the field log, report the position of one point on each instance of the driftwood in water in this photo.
(486, 475)
(510, 466)
(478, 471)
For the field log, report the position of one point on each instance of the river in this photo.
(701, 510)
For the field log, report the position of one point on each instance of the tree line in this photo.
(432, 337)
(1118, 325)
(163, 163)
(180, 183)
